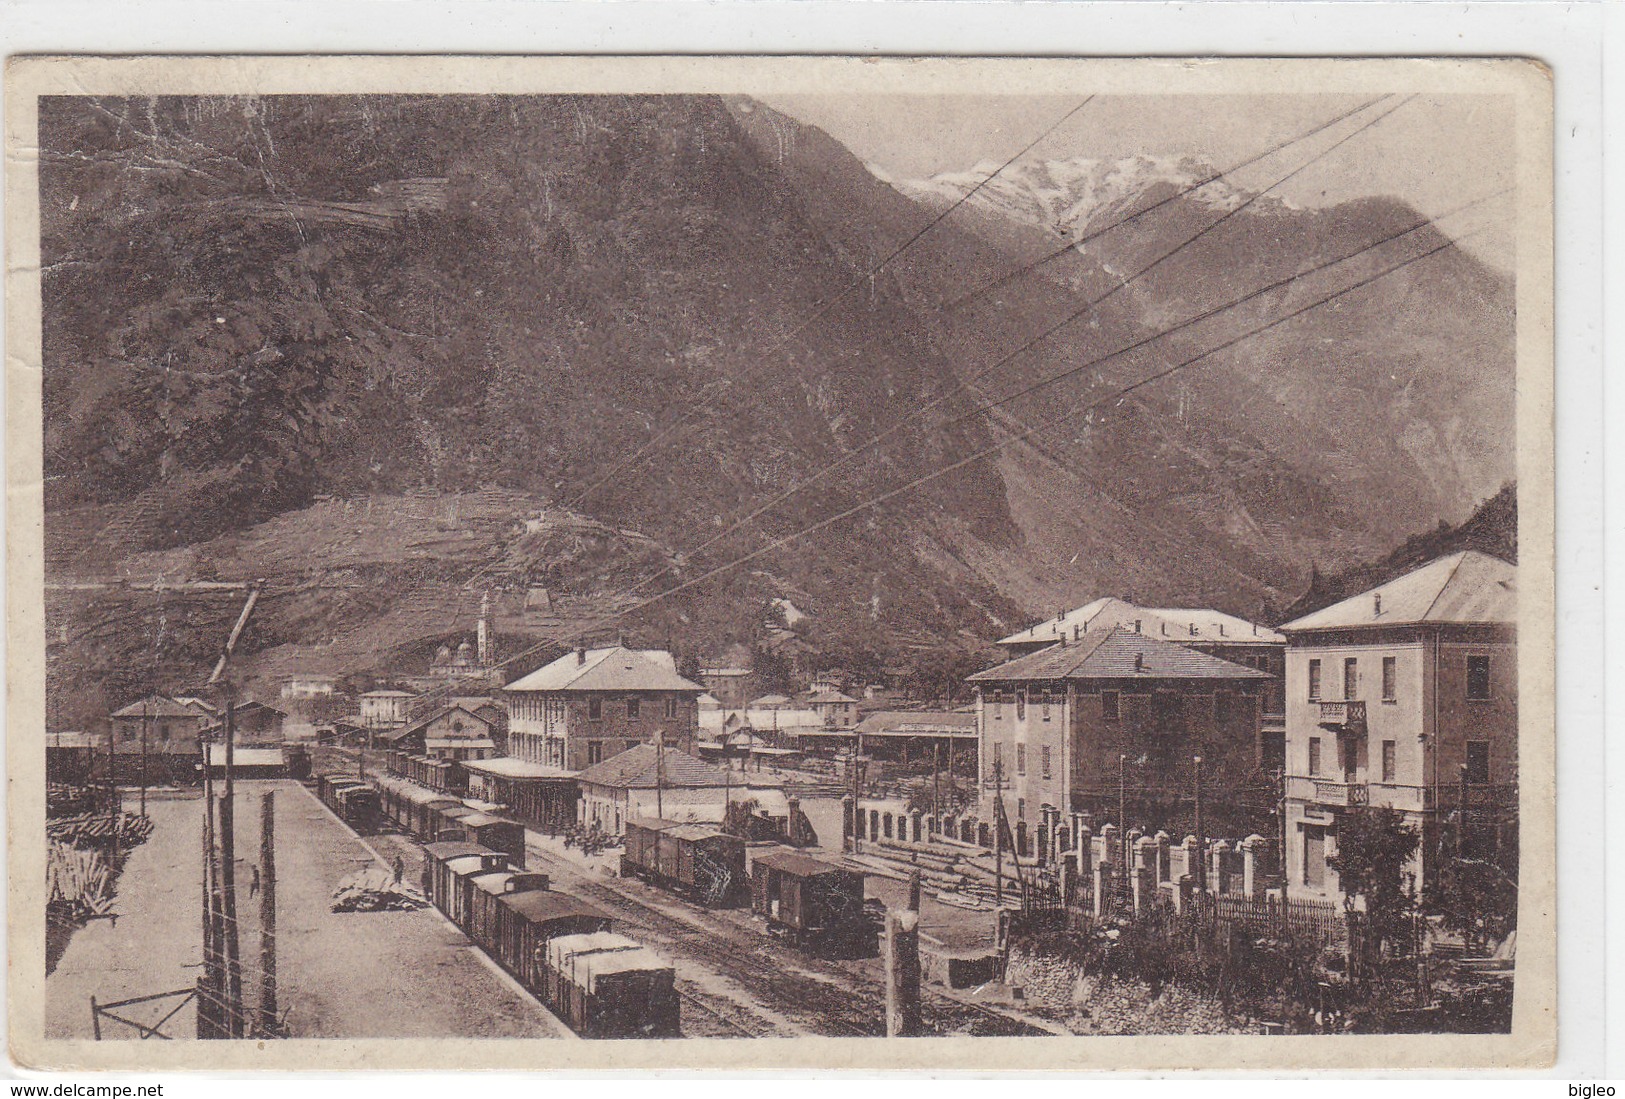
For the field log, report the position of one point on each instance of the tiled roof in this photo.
(157, 706)
(1167, 623)
(829, 696)
(1110, 654)
(637, 768)
(611, 669)
(1465, 587)
(424, 722)
(920, 721)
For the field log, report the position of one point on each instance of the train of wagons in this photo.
(425, 815)
(563, 950)
(815, 905)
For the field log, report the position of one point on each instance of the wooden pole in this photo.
(998, 832)
(903, 965)
(1201, 835)
(268, 1012)
(146, 722)
(228, 871)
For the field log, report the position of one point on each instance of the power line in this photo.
(1042, 425)
(1052, 330)
(823, 310)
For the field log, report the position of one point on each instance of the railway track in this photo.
(825, 997)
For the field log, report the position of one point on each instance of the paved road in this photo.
(352, 975)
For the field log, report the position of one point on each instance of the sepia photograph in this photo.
(658, 551)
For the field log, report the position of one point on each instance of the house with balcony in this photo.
(592, 704)
(1112, 721)
(1226, 636)
(1403, 696)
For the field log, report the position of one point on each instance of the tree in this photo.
(1374, 849)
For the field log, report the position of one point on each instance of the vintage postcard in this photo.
(779, 563)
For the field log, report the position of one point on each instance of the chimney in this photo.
(1221, 629)
(1376, 602)
(581, 657)
(1139, 663)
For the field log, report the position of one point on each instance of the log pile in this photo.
(78, 880)
(958, 875)
(99, 830)
(374, 891)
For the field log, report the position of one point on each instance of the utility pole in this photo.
(1286, 925)
(146, 723)
(228, 871)
(268, 1012)
(856, 750)
(1201, 837)
(998, 829)
(1122, 816)
(936, 781)
(903, 965)
(660, 774)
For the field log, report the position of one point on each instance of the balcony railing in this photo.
(1341, 794)
(1344, 716)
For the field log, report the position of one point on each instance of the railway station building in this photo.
(593, 704)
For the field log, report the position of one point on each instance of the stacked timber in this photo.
(99, 829)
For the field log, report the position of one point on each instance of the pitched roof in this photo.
(611, 669)
(1183, 624)
(636, 769)
(157, 706)
(916, 721)
(1110, 654)
(1465, 587)
(424, 722)
(829, 696)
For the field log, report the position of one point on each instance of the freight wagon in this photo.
(525, 921)
(816, 905)
(413, 809)
(353, 802)
(488, 890)
(697, 861)
(515, 919)
(608, 986)
(458, 821)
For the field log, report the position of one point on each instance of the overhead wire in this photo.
(970, 382)
(698, 404)
(1116, 395)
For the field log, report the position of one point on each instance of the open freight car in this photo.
(814, 904)
(697, 861)
(608, 986)
(526, 921)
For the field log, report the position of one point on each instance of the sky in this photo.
(1437, 152)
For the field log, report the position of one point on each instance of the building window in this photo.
(595, 751)
(595, 708)
(1021, 759)
(1021, 705)
(671, 706)
(633, 705)
(1390, 677)
(1314, 680)
(1389, 768)
(1478, 678)
(1351, 677)
(1044, 757)
(1478, 761)
(1047, 700)
(1314, 755)
(1021, 808)
(1108, 705)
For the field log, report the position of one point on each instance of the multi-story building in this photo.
(1115, 716)
(592, 704)
(730, 686)
(837, 709)
(1404, 696)
(1206, 630)
(386, 709)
